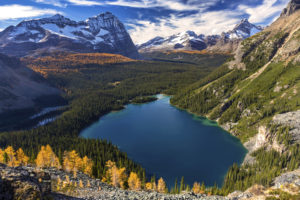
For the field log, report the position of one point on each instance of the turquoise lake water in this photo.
(170, 142)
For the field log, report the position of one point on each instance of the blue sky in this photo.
(146, 19)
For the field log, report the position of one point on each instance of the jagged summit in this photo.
(244, 30)
(102, 33)
(292, 7)
(189, 40)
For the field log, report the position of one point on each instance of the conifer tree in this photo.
(47, 158)
(2, 157)
(10, 157)
(202, 187)
(153, 181)
(161, 186)
(87, 166)
(148, 186)
(114, 176)
(176, 191)
(134, 182)
(182, 185)
(196, 188)
(22, 159)
(72, 161)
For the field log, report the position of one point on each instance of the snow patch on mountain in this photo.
(190, 40)
(103, 33)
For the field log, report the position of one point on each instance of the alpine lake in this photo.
(170, 142)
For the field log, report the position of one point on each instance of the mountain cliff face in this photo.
(189, 40)
(102, 33)
(293, 6)
(19, 85)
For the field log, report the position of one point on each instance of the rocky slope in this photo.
(31, 183)
(19, 85)
(189, 40)
(102, 33)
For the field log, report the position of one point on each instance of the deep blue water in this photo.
(169, 142)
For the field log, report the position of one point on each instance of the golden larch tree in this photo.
(148, 186)
(72, 161)
(114, 176)
(11, 156)
(161, 186)
(134, 182)
(2, 156)
(47, 158)
(21, 157)
(121, 177)
(87, 166)
(196, 188)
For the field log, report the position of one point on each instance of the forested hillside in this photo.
(247, 95)
(95, 84)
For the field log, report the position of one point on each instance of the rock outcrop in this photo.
(291, 119)
(24, 183)
(293, 6)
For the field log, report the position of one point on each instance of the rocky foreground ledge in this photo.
(29, 183)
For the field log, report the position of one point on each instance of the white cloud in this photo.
(167, 4)
(57, 3)
(204, 23)
(85, 2)
(269, 8)
(176, 5)
(19, 11)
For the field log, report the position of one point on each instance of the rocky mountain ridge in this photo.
(189, 40)
(30, 183)
(292, 7)
(102, 33)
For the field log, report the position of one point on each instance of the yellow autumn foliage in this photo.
(47, 158)
(22, 159)
(134, 182)
(148, 186)
(2, 157)
(196, 188)
(72, 162)
(114, 176)
(11, 157)
(161, 186)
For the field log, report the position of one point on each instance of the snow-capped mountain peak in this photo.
(243, 30)
(191, 41)
(102, 33)
(176, 41)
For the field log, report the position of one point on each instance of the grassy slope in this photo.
(245, 93)
(229, 92)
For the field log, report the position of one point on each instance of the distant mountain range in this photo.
(189, 40)
(102, 33)
(105, 33)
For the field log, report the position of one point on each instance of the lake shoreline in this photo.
(163, 102)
